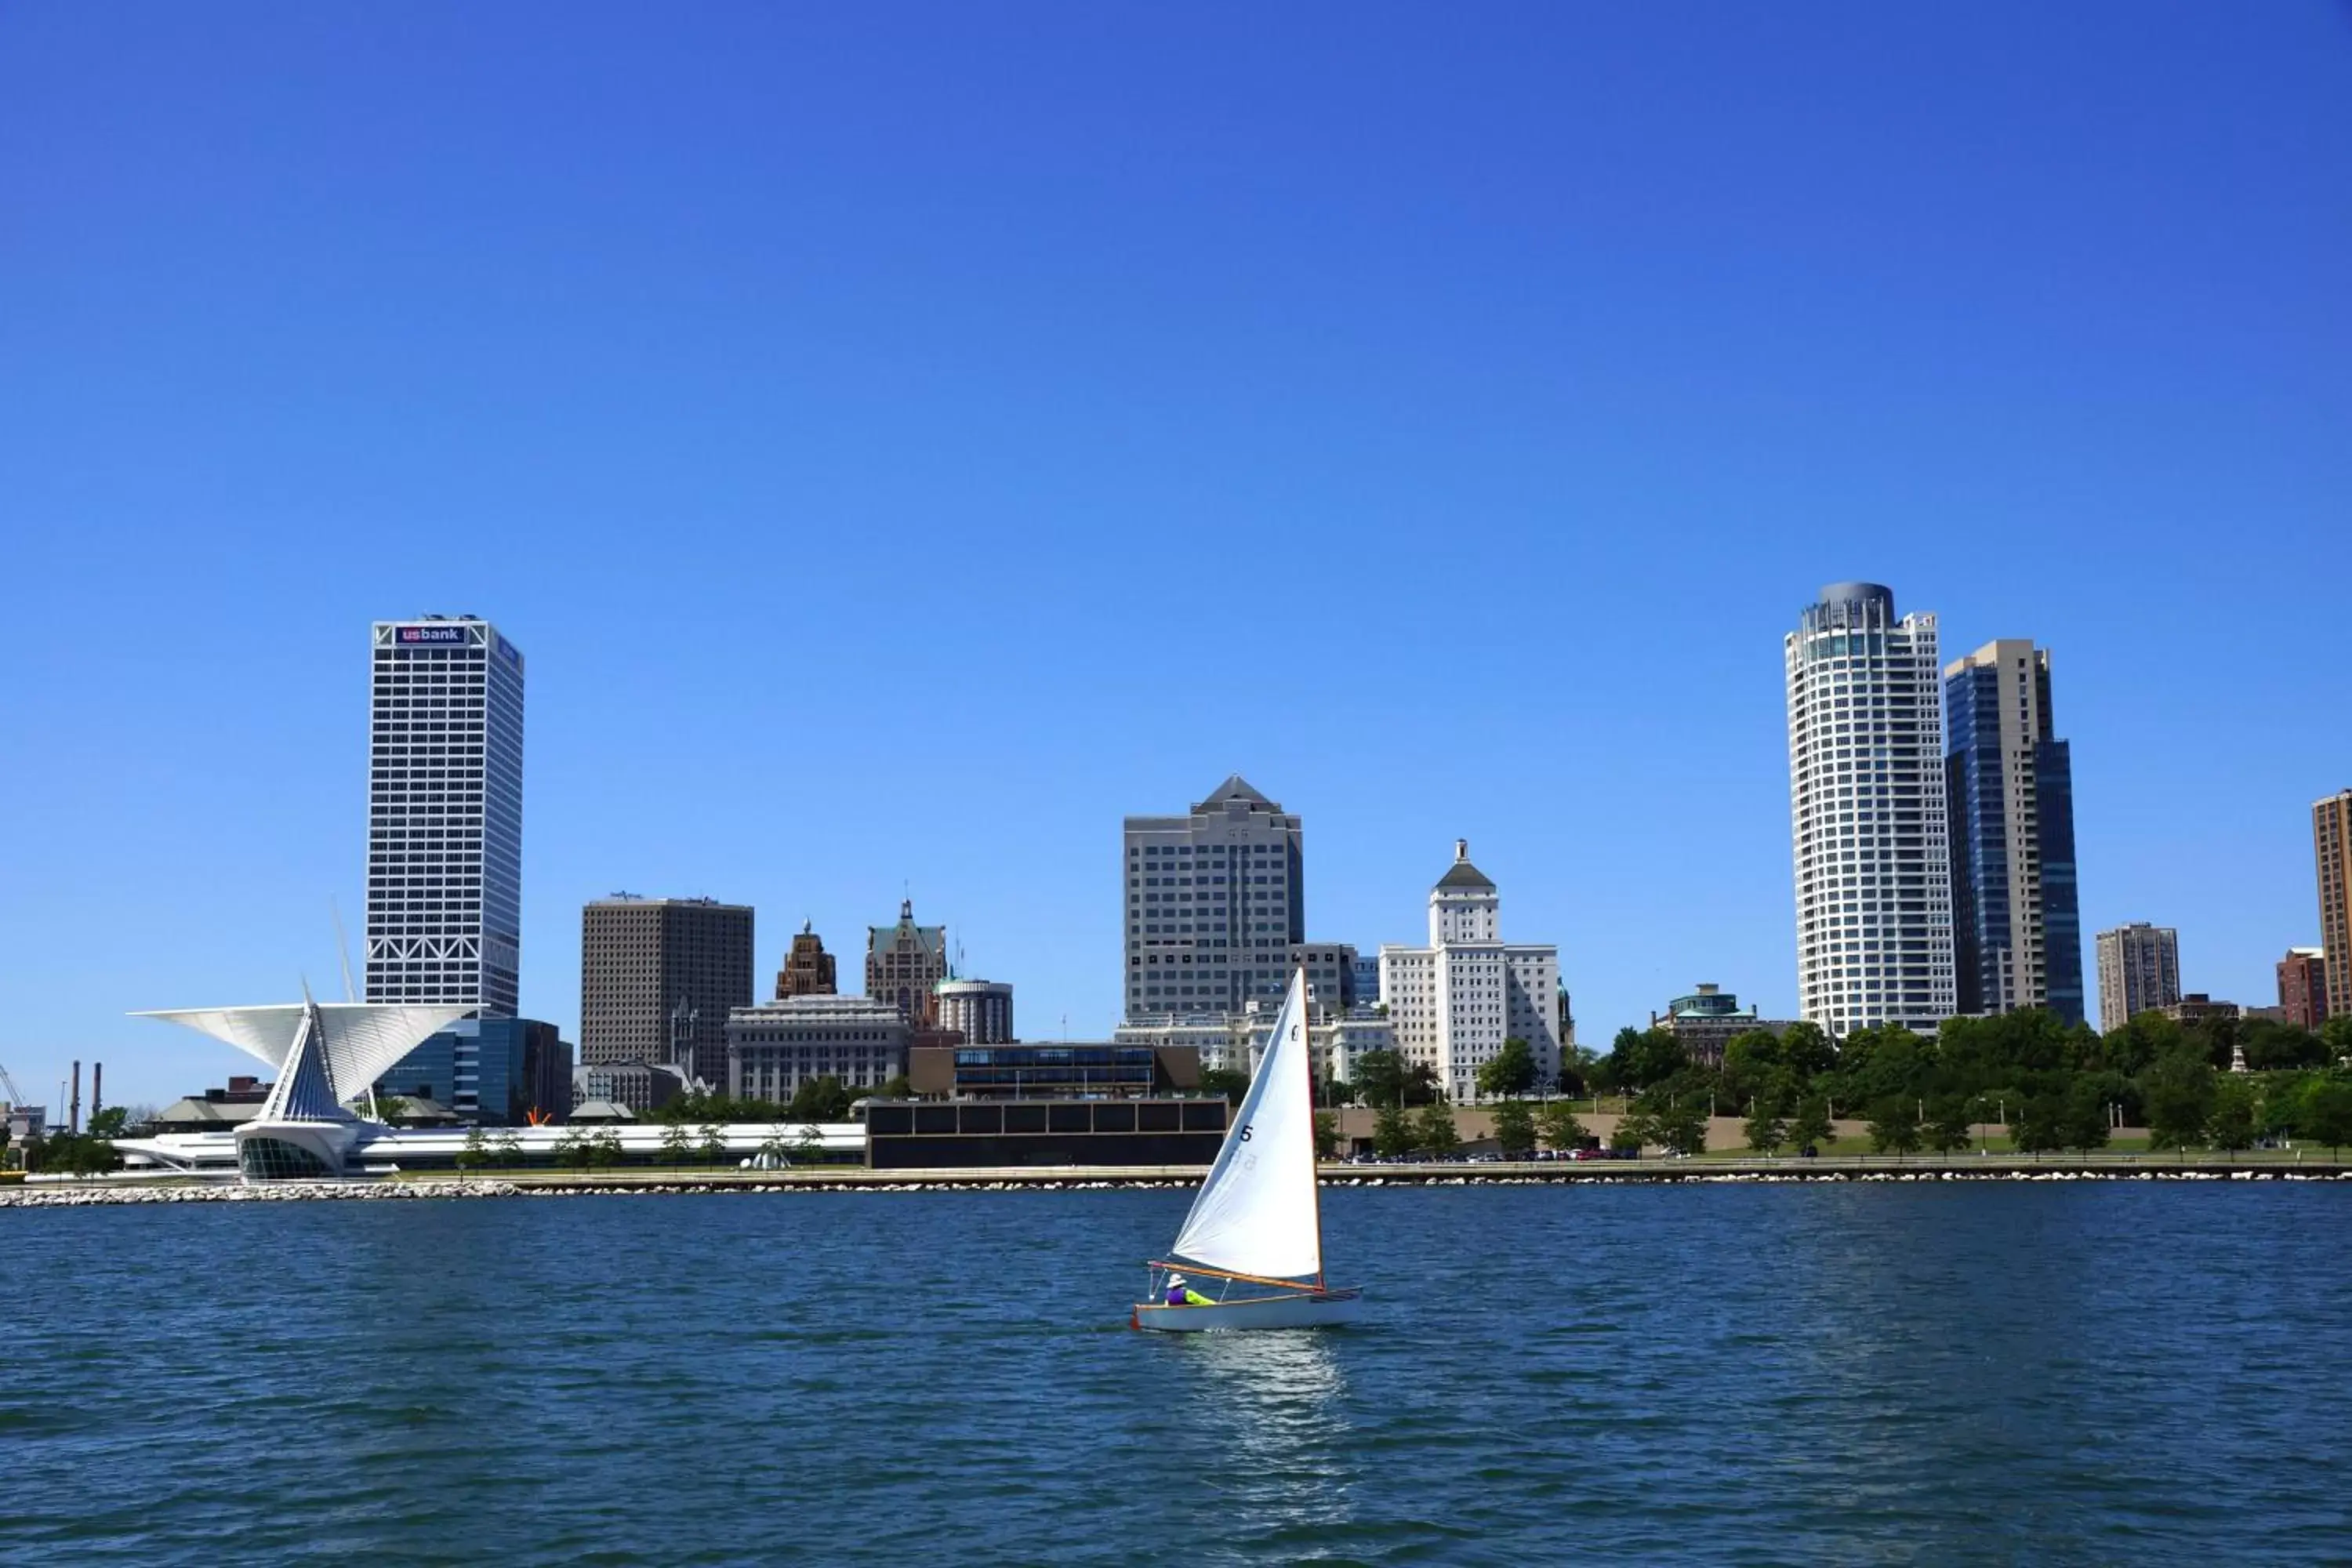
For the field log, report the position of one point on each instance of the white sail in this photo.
(1257, 1214)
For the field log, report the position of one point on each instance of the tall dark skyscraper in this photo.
(657, 979)
(2016, 914)
(445, 815)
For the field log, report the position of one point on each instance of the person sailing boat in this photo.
(1257, 1219)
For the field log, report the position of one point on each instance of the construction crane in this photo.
(8, 1085)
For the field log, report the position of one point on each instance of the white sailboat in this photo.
(1255, 1232)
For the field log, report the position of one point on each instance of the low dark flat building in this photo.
(1086, 1069)
(913, 1135)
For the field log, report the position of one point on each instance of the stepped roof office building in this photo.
(445, 815)
(2017, 921)
(1867, 813)
(1213, 903)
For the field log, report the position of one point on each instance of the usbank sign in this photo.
(430, 634)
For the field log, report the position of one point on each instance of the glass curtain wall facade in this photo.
(2016, 910)
(445, 815)
(1867, 813)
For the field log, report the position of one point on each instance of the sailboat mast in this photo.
(1314, 1163)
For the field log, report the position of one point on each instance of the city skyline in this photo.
(1439, 461)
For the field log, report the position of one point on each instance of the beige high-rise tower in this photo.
(2139, 970)
(2331, 850)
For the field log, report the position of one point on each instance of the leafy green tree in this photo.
(809, 1146)
(894, 1087)
(108, 1123)
(1807, 1051)
(1640, 1057)
(1379, 1078)
(1681, 1123)
(714, 1142)
(1561, 1129)
(2336, 1037)
(71, 1154)
(1228, 1082)
(1392, 1133)
(1433, 1131)
(674, 1142)
(571, 1148)
(1421, 1085)
(2280, 1113)
(2230, 1127)
(1948, 1126)
(605, 1147)
(1511, 1071)
(1327, 1135)
(2178, 1090)
(822, 1099)
(1765, 1130)
(506, 1150)
(1894, 1126)
(1514, 1129)
(2040, 1125)
(1636, 1130)
(2085, 1117)
(2272, 1047)
(1576, 1065)
(1810, 1128)
(474, 1152)
(2326, 1115)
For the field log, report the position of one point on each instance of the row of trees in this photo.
(2053, 1086)
(825, 1098)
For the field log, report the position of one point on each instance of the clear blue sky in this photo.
(905, 438)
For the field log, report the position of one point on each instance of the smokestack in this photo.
(73, 1112)
(97, 1094)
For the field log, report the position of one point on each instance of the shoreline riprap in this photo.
(87, 1195)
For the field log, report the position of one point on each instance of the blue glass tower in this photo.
(2016, 911)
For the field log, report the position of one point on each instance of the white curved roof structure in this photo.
(364, 1039)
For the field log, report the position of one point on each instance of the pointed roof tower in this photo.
(1462, 874)
(1235, 787)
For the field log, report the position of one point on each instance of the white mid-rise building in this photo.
(774, 1047)
(1454, 1003)
(1867, 815)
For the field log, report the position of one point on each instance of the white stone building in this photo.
(1454, 1003)
(773, 1047)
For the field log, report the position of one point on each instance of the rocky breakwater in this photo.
(95, 1195)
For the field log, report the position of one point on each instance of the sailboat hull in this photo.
(1304, 1310)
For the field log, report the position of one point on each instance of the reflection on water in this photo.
(1278, 1402)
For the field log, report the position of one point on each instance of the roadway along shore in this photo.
(39, 1194)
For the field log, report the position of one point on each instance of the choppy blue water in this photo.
(1989, 1373)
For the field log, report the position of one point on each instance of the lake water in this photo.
(2043, 1374)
